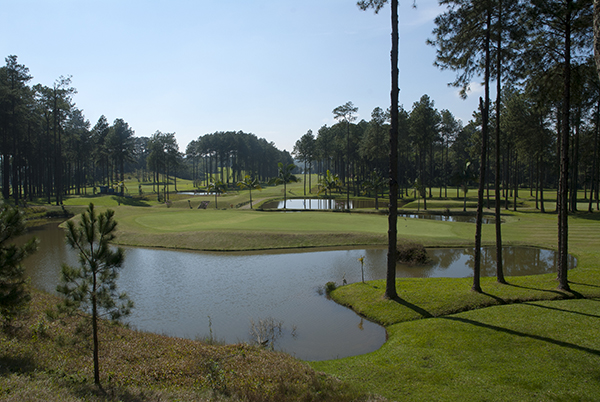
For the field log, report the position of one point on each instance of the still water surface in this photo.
(323, 204)
(320, 203)
(175, 292)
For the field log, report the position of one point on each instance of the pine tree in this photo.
(92, 287)
(13, 291)
(390, 287)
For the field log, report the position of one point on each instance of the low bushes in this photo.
(412, 254)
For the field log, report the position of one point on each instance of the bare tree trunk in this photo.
(537, 182)
(390, 288)
(542, 207)
(499, 267)
(597, 34)
(593, 175)
(95, 333)
(575, 166)
(484, 106)
(516, 177)
(563, 188)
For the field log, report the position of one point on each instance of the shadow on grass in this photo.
(523, 335)
(424, 313)
(593, 216)
(19, 365)
(132, 202)
(584, 284)
(561, 309)
(109, 394)
(556, 292)
(497, 298)
(526, 211)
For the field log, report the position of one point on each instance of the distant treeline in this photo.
(48, 148)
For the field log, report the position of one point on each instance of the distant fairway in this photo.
(246, 229)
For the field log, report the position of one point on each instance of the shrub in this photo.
(413, 254)
(330, 287)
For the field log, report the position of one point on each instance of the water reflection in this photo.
(176, 291)
(446, 218)
(320, 204)
(325, 204)
(459, 262)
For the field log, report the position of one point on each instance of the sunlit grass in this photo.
(513, 342)
(534, 351)
(519, 341)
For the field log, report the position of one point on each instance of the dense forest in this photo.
(542, 126)
(49, 149)
(436, 150)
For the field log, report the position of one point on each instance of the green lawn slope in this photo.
(525, 341)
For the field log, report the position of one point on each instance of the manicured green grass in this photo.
(523, 341)
(247, 229)
(534, 351)
(435, 297)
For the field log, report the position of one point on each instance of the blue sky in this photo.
(275, 68)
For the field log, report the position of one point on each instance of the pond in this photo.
(323, 204)
(446, 218)
(193, 294)
(320, 203)
(198, 192)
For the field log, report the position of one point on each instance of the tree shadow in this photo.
(110, 393)
(556, 292)
(133, 202)
(586, 215)
(9, 365)
(419, 310)
(526, 211)
(497, 298)
(584, 284)
(561, 309)
(523, 335)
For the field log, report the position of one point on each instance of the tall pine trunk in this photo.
(593, 175)
(484, 106)
(390, 288)
(499, 267)
(563, 188)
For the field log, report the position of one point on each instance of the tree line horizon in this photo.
(43, 133)
(543, 126)
(48, 149)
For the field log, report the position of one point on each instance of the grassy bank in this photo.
(523, 341)
(48, 358)
(534, 351)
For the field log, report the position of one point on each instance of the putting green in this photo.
(237, 229)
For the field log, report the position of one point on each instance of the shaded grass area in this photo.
(50, 359)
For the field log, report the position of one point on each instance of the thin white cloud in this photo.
(423, 13)
(474, 89)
